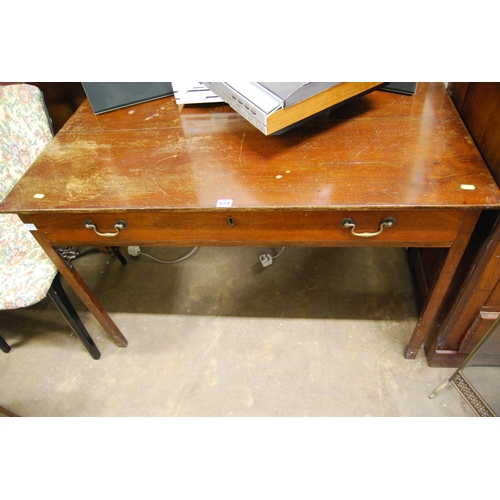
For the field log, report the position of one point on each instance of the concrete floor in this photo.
(321, 332)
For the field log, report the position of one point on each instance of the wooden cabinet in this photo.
(474, 301)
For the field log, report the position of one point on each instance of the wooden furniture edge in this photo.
(83, 291)
(431, 310)
(335, 95)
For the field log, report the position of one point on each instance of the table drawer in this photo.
(240, 227)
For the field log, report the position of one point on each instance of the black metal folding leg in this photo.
(119, 255)
(3, 345)
(62, 302)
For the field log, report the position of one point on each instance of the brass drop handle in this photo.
(120, 224)
(387, 222)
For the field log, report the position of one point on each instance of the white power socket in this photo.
(266, 259)
(134, 251)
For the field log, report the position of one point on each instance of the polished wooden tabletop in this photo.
(382, 150)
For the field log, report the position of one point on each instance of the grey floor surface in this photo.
(320, 332)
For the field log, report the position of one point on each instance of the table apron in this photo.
(436, 228)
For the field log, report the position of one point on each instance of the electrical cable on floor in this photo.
(135, 251)
(281, 251)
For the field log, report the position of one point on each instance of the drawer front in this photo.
(238, 227)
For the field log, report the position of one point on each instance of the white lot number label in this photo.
(224, 203)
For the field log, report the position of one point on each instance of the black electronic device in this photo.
(108, 96)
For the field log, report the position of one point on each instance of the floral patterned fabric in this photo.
(26, 272)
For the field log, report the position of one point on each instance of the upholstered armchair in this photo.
(27, 275)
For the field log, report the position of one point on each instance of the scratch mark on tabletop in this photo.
(152, 116)
(361, 151)
(241, 146)
(159, 187)
(166, 158)
(156, 183)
